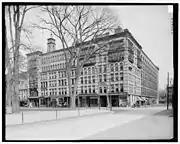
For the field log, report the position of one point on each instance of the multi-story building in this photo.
(34, 77)
(121, 71)
(23, 87)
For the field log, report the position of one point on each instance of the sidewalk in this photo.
(38, 116)
(71, 129)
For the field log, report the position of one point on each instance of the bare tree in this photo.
(14, 28)
(78, 28)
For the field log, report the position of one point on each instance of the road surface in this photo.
(123, 123)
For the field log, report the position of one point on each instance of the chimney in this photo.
(118, 30)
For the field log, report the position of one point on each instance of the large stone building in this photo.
(121, 70)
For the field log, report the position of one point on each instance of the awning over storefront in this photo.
(33, 97)
(138, 99)
(118, 93)
(88, 95)
(93, 97)
(57, 96)
(143, 98)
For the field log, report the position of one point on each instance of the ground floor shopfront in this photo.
(93, 100)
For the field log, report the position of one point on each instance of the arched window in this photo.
(100, 89)
(116, 67)
(121, 66)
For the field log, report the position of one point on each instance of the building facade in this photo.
(120, 70)
(33, 71)
(23, 88)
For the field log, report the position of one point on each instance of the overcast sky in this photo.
(150, 25)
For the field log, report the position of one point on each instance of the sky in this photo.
(150, 26)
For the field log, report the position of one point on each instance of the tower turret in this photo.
(51, 44)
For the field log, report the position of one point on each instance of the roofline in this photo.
(36, 52)
(125, 33)
(150, 60)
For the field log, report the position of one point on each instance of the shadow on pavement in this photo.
(168, 113)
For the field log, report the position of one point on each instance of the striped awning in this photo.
(143, 98)
(138, 98)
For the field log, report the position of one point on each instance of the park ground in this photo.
(150, 123)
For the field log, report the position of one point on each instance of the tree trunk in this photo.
(108, 101)
(72, 97)
(76, 89)
(8, 75)
(15, 97)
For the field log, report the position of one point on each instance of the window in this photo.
(105, 58)
(81, 80)
(81, 72)
(121, 67)
(85, 71)
(100, 78)
(82, 89)
(100, 58)
(89, 79)
(116, 67)
(100, 69)
(105, 78)
(112, 68)
(112, 77)
(72, 90)
(89, 89)
(100, 89)
(93, 70)
(85, 89)
(121, 88)
(105, 68)
(85, 78)
(93, 88)
(130, 68)
(65, 82)
(117, 77)
(105, 90)
(117, 88)
(72, 81)
(112, 88)
(89, 71)
(93, 78)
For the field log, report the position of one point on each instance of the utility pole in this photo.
(168, 92)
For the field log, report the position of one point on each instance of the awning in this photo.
(88, 95)
(138, 98)
(33, 97)
(143, 98)
(94, 97)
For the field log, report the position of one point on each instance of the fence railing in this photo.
(55, 114)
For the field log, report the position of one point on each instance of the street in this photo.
(152, 126)
(123, 123)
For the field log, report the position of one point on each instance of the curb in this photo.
(61, 119)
